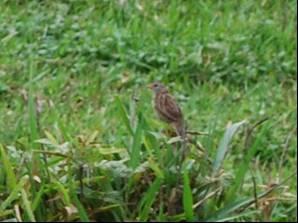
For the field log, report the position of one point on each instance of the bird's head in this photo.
(157, 87)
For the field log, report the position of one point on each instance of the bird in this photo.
(167, 108)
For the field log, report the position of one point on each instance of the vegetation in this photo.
(78, 136)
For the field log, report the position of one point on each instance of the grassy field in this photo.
(79, 139)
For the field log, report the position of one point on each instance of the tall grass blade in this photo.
(187, 197)
(243, 168)
(123, 115)
(10, 176)
(135, 155)
(27, 206)
(224, 145)
(82, 212)
(33, 126)
(38, 198)
(148, 199)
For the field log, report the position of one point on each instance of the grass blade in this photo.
(229, 209)
(187, 198)
(245, 202)
(64, 192)
(14, 194)
(135, 155)
(234, 217)
(148, 199)
(38, 198)
(5, 213)
(242, 170)
(33, 122)
(27, 206)
(224, 145)
(123, 115)
(10, 176)
(82, 212)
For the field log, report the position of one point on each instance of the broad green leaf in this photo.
(112, 150)
(92, 137)
(3, 87)
(51, 138)
(174, 140)
(45, 141)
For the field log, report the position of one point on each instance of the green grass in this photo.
(79, 139)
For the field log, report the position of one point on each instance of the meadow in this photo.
(79, 138)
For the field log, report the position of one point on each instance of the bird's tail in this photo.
(181, 131)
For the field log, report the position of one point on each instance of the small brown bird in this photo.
(167, 108)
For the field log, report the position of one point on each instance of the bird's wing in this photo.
(168, 108)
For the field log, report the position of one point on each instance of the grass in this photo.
(78, 136)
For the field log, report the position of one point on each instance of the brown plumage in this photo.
(167, 108)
